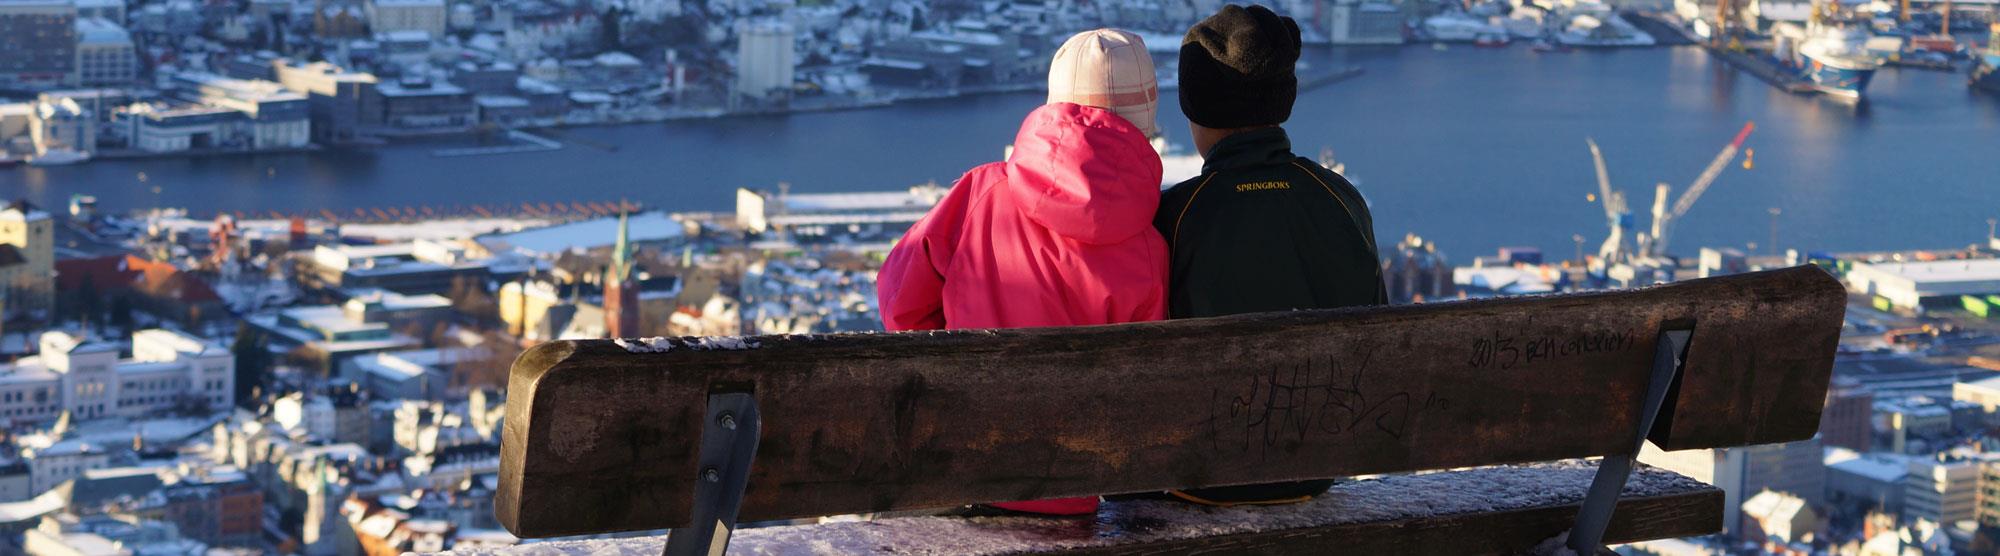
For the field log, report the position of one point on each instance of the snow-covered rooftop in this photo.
(587, 234)
(96, 30)
(1925, 273)
(1875, 467)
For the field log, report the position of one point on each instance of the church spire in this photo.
(621, 254)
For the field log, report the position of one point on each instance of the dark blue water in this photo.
(1474, 149)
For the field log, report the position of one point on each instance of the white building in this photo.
(1780, 517)
(824, 213)
(764, 59)
(405, 375)
(1917, 286)
(51, 465)
(272, 116)
(1795, 468)
(62, 125)
(429, 16)
(1874, 480)
(314, 416)
(1942, 492)
(104, 53)
(87, 379)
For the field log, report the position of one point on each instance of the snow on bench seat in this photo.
(1483, 510)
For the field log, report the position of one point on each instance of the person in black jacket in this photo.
(1260, 229)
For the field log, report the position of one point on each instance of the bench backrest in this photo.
(602, 437)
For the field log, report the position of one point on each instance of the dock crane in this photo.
(1617, 247)
(1663, 219)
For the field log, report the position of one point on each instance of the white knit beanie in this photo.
(1109, 69)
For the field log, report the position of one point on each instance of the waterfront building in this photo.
(39, 37)
(104, 53)
(764, 60)
(884, 214)
(1795, 468)
(1941, 491)
(415, 104)
(342, 105)
(27, 260)
(62, 125)
(272, 117)
(428, 16)
(1364, 22)
(1920, 286)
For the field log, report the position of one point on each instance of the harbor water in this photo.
(1472, 148)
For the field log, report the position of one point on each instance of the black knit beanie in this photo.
(1236, 68)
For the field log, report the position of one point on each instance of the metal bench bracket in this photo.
(1595, 514)
(728, 446)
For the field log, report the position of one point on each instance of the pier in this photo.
(529, 143)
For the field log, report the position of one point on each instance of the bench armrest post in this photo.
(1595, 514)
(728, 446)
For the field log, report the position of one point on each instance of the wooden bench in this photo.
(697, 433)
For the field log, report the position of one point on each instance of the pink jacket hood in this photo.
(1084, 173)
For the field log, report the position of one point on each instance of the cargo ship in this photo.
(1830, 56)
(1986, 64)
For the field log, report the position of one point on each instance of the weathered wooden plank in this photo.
(1503, 533)
(601, 439)
(1489, 510)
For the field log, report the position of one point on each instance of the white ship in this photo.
(1593, 24)
(58, 157)
(1458, 27)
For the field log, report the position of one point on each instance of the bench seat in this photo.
(1470, 511)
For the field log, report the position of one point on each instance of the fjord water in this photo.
(1471, 148)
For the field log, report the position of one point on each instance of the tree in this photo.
(90, 308)
(253, 363)
(121, 314)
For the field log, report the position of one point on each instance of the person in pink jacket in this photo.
(1058, 235)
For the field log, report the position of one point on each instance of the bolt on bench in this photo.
(698, 433)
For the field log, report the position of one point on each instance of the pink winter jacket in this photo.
(1060, 234)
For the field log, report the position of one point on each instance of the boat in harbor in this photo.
(1458, 27)
(1986, 64)
(1595, 25)
(1829, 55)
(58, 157)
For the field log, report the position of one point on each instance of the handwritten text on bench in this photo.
(1507, 352)
(1287, 406)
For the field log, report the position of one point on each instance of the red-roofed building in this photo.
(154, 287)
